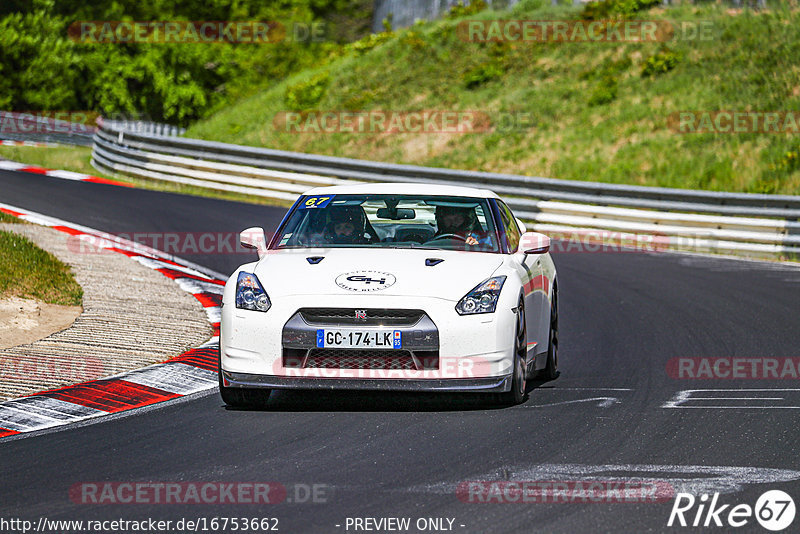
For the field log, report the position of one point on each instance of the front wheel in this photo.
(518, 382)
(241, 397)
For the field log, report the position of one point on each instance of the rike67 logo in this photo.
(774, 510)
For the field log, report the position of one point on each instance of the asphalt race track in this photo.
(623, 317)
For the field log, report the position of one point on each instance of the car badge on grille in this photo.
(361, 315)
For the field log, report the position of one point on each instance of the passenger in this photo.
(347, 226)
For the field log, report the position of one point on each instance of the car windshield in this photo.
(390, 221)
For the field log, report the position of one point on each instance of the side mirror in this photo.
(522, 227)
(254, 238)
(534, 243)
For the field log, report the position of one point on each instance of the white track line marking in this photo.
(681, 399)
(68, 175)
(603, 402)
(176, 378)
(213, 342)
(193, 286)
(158, 264)
(53, 408)
(21, 420)
(12, 165)
(214, 314)
(583, 389)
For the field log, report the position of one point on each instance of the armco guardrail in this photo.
(39, 128)
(146, 128)
(762, 225)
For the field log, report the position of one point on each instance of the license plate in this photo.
(360, 339)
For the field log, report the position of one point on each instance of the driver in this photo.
(347, 226)
(459, 220)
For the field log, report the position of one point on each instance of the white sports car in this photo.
(391, 287)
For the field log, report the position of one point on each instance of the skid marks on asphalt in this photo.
(547, 397)
(667, 479)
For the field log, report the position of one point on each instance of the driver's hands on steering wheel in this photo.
(469, 240)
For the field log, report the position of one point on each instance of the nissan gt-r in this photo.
(391, 287)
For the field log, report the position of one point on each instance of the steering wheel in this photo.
(448, 236)
(417, 238)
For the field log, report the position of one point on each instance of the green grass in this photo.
(592, 111)
(78, 159)
(30, 272)
(6, 218)
(70, 158)
(599, 111)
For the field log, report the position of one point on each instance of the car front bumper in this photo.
(469, 347)
(496, 384)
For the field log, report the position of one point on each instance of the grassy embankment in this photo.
(599, 111)
(586, 111)
(27, 271)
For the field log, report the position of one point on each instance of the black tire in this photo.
(518, 382)
(550, 371)
(241, 397)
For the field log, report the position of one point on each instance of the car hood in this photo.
(395, 272)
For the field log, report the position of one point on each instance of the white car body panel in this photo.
(449, 280)
(470, 346)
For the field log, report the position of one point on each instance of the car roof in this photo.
(402, 189)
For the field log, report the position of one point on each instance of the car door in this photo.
(537, 304)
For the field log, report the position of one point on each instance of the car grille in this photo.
(374, 316)
(360, 359)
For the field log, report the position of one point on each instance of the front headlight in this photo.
(483, 298)
(250, 295)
